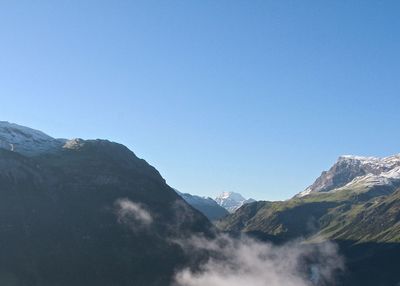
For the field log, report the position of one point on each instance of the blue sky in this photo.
(256, 97)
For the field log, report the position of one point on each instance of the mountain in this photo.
(356, 203)
(372, 220)
(354, 171)
(332, 207)
(87, 212)
(205, 205)
(90, 212)
(232, 201)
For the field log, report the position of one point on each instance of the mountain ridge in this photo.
(349, 167)
(27, 141)
(92, 213)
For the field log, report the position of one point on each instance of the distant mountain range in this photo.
(206, 205)
(222, 205)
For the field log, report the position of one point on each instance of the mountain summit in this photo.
(350, 172)
(231, 201)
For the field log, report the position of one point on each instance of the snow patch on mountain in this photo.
(205, 205)
(357, 172)
(193, 199)
(370, 180)
(375, 163)
(24, 140)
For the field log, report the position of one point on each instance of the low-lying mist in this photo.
(244, 261)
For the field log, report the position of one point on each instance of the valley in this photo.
(90, 212)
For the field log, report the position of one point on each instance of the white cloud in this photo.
(246, 262)
(133, 214)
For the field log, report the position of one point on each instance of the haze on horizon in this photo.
(257, 98)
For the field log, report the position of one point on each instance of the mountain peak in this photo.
(232, 201)
(351, 170)
(357, 158)
(232, 195)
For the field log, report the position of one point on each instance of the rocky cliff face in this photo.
(349, 168)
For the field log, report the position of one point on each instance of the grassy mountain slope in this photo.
(367, 215)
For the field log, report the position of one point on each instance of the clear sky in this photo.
(256, 97)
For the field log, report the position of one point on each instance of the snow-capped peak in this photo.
(232, 201)
(377, 162)
(356, 171)
(231, 195)
(25, 140)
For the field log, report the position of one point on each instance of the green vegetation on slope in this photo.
(368, 215)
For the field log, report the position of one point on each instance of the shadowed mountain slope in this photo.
(89, 213)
